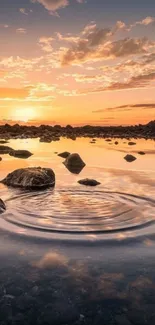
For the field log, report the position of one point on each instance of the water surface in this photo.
(79, 255)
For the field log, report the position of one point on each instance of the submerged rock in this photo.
(130, 158)
(5, 150)
(131, 143)
(2, 206)
(31, 178)
(74, 163)
(20, 153)
(64, 154)
(89, 182)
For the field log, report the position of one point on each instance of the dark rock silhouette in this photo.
(131, 143)
(130, 158)
(31, 178)
(64, 154)
(5, 150)
(142, 153)
(2, 206)
(3, 141)
(45, 139)
(89, 182)
(74, 163)
(24, 154)
(49, 133)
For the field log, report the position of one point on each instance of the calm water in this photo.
(77, 255)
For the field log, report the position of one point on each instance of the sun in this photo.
(24, 114)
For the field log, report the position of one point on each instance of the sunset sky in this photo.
(77, 61)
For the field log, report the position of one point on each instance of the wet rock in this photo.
(55, 138)
(142, 153)
(131, 143)
(3, 141)
(89, 182)
(93, 141)
(45, 139)
(74, 163)
(31, 178)
(5, 150)
(64, 154)
(130, 158)
(72, 137)
(2, 206)
(21, 154)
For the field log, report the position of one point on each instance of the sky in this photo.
(77, 62)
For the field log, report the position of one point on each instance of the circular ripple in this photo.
(72, 211)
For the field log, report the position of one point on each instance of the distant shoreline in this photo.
(146, 131)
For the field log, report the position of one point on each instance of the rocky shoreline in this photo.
(48, 133)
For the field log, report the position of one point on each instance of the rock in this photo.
(31, 178)
(2, 206)
(55, 138)
(20, 153)
(0, 158)
(5, 150)
(45, 139)
(72, 137)
(130, 158)
(108, 140)
(89, 182)
(3, 141)
(74, 163)
(116, 142)
(131, 143)
(142, 153)
(64, 154)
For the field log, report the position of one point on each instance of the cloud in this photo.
(46, 43)
(127, 107)
(23, 11)
(54, 5)
(21, 31)
(139, 81)
(4, 25)
(96, 47)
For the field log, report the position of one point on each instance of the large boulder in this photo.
(31, 178)
(2, 206)
(74, 163)
(20, 154)
(5, 150)
(89, 182)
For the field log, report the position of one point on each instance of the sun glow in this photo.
(24, 114)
